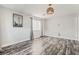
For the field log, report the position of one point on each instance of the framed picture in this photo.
(17, 20)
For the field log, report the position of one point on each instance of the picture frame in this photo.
(17, 20)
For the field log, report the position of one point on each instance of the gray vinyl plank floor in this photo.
(44, 46)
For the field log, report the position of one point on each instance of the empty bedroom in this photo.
(39, 29)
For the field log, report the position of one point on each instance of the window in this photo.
(36, 28)
(36, 25)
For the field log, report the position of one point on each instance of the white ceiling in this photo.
(39, 10)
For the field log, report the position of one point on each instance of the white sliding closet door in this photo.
(36, 28)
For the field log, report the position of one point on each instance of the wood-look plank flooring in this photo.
(44, 46)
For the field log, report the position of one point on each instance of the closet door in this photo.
(36, 28)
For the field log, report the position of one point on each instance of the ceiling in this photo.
(39, 10)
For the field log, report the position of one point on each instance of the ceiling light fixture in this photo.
(50, 10)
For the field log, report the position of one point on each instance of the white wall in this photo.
(0, 28)
(76, 21)
(9, 34)
(78, 26)
(61, 26)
